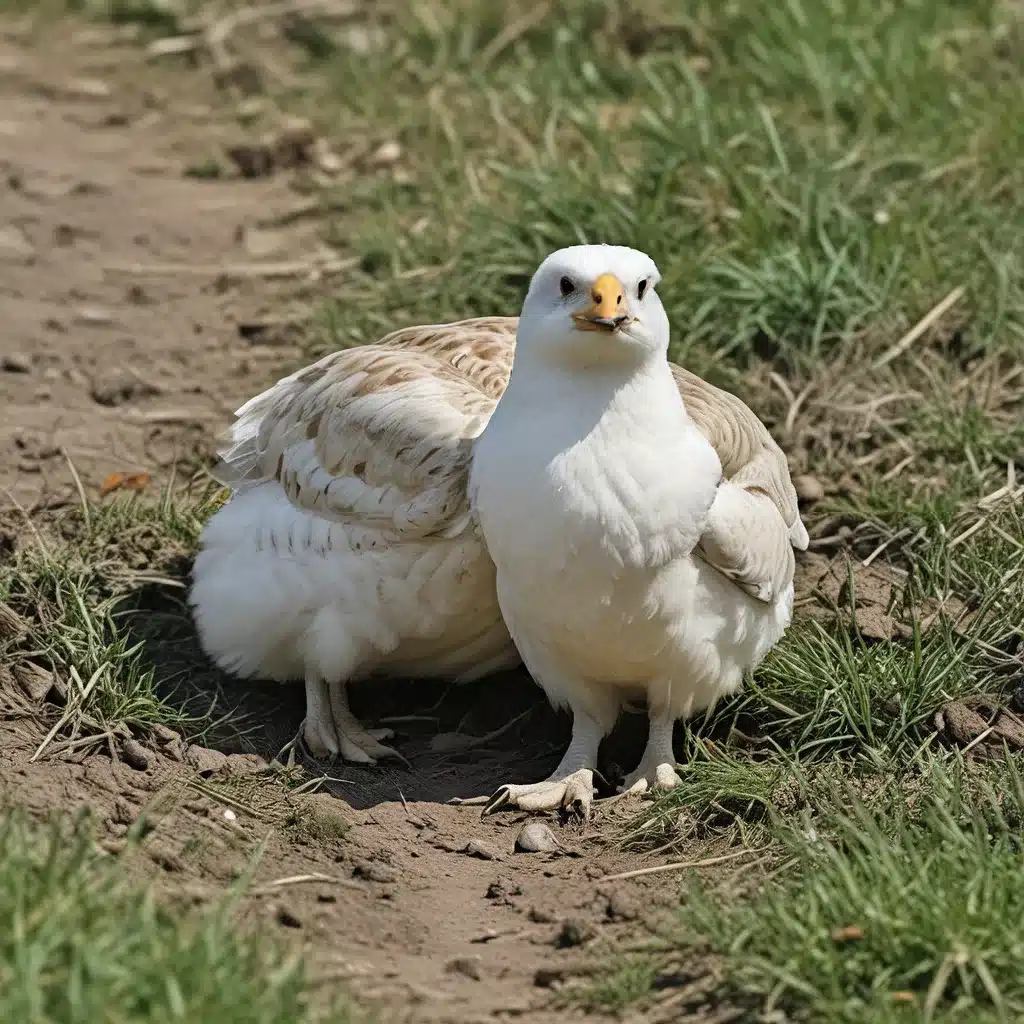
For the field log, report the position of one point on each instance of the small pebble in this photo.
(386, 154)
(94, 316)
(536, 837)
(16, 362)
(808, 488)
(229, 815)
(474, 848)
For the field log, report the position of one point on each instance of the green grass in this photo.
(813, 179)
(78, 946)
(933, 892)
(73, 585)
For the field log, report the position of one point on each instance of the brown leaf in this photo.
(904, 997)
(124, 482)
(850, 933)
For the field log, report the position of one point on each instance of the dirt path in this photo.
(123, 367)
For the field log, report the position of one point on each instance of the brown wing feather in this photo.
(383, 434)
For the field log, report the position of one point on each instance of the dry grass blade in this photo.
(241, 271)
(928, 320)
(682, 865)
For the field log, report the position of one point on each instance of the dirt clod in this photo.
(622, 906)
(204, 760)
(120, 387)
(809, 489)
(374, 871)
(135, 755)
(287, 917)
(35, 682)
(16, 362)
(470, 966)
(574, 931)
(475, 848)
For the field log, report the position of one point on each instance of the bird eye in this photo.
(641, 288)
(567, 287)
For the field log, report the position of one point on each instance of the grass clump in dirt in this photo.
(70, 591)
(913, 914)
(78, 945)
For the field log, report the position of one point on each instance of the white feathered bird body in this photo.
(348, 547)
(627, 563)
(594, 495)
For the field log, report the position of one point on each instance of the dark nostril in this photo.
(618, 301)
(597, 297)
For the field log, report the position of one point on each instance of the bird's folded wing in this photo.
(748, 542)
(749, 455)
(380, 434)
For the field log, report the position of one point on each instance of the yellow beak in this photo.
(609, 310)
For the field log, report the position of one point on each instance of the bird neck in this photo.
(642, 391)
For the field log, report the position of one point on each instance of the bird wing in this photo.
(746, 540)
(754, 522)
(380, 434)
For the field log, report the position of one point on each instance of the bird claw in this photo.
(574, 793)
(360, 746)
(658, 779)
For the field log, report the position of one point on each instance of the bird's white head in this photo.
(592, 306)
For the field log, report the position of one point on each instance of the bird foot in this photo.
(574, 792)
(361, 746)
(647, 779)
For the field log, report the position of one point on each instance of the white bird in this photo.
(348, 548)
(630, 561)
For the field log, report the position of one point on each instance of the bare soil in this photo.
(124, 350)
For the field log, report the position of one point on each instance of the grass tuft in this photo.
(909, 915)
(79, 945)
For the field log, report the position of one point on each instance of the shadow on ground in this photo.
(237, 716)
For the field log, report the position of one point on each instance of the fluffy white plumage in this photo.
(348, 548)
(627, 565)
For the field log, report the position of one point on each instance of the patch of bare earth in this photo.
(124, 283)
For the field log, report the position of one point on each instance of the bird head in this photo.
(594, 305)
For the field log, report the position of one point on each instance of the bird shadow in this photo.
(459, 740)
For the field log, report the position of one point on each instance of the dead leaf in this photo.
(124, 482)
(904, 997)
(850, 933)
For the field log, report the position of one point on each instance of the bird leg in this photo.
(570, 785)
(656, 770)
(331, 730)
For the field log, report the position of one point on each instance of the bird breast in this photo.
(591, 517)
